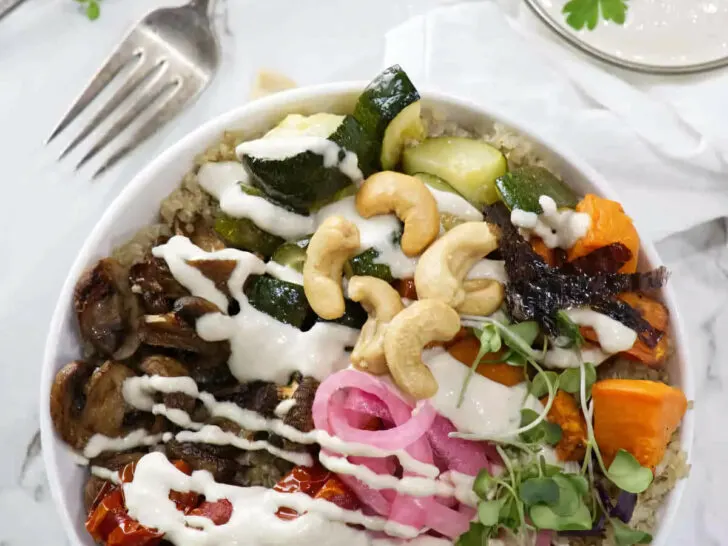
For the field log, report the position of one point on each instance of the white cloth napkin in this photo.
(662, 143)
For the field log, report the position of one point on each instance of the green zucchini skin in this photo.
(380, 102)
(354, 315)
(364, 265)
(522, 187)
(284, 301)
(302, 181)
(243, 234)
(291, 255)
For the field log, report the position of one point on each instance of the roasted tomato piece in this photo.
(219, 511)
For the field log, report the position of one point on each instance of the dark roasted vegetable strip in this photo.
(607, 259)
(537, 291)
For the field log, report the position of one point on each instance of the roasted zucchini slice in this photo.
(522, 188)
(470, 166)
(242, 233)
(305, 160)
(405, 127)
(284, 301)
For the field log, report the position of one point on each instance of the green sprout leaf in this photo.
(521, 336)
(569, 334)
(544, 517)
(570, 380)
(569, 499)
(626, 536)
(539, 490)
(580, 483)
(585, 13)
(490, 342)
(627, 473)
(547, 432)
(540, 384)
(482, 484)
(489, 511)
(475, 536)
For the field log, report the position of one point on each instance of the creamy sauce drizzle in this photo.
(138, 393)
(557, 357)
(284, 407)
(489, 269)
(613, 336)
(279, 148)
(283, 272)
(105, 474)
(222, 181)
(456, 205)
(375, 232)
(488, 409)
(253, 521)
(255, 336)
(557, 228)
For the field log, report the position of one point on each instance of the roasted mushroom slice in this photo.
(218, 460)
(166, 366)
(200, 233)
(107, 310)
(300, 416)
(67, 402)
(105, 408)
(117, 461)
(154, 283)
(257, 396)
(170, 330)
(93, 491)
(218, 271)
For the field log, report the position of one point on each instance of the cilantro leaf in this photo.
(585, 13)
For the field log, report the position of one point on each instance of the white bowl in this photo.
(138, 204)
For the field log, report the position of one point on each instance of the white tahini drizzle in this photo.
(613, 337)
(489, 269)
(283, 407)
(105, 474)
(283, 272)
(222, 181)
(489, 409)
(262, 348)
(253, 521)
(98, 443)
(376, 232)
(557, 228)
(279, 148)
(454, 204)
(138, 392)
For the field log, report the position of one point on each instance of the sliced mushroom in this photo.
(67, 402)
(257, 396)
(190, 308)
(300, 415)
(93, 490)
(218, 460)
(201, 233)
(260, 468)
(218, 271)
(105, 409)
(166, 366)
(154, 283)
(170, 330)
(117, 461)
(107, 310)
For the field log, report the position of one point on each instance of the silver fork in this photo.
(171, 55)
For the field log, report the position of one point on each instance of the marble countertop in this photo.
(48, 51)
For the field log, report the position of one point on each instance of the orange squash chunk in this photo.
(637, 416)
(540, 248)
(653, 312)
(567, 414)
(466, 349)
(609, 224)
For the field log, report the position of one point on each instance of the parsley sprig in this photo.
(585, 13)
(91, 8)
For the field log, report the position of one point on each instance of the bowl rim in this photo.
(131, 192)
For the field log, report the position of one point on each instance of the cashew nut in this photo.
(442, 269)
(335, 241)
(409, 199)
(413, 328)
(382, 302)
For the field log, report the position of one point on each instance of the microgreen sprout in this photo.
(91, 8)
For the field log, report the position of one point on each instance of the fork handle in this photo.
(203, 6)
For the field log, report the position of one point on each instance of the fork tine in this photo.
(165, 111)
(114, 64)
(136, 79)
(129, 116)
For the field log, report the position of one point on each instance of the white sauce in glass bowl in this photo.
(659, 32)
